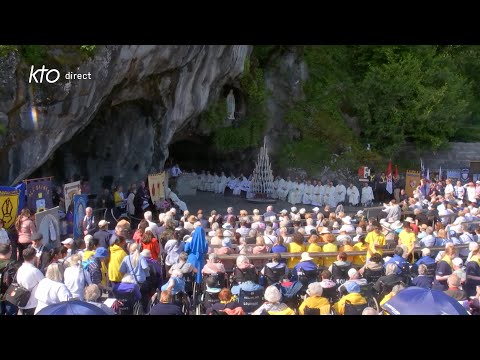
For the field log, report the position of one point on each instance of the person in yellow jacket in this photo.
(117, 253)
(296, 246)
(392, 293)
(361, 245)
(315, 300)
(375, 240)
(315, 247)
(353, 296)
(330, 246)
(272, 305)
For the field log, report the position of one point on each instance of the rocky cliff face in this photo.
(119, 123)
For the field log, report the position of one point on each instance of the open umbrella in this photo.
(421, 301)
(74, 307)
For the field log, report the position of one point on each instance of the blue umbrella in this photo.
(74, 307)
(421, 301)
(196, 249)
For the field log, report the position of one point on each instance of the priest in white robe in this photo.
(353, 195)
(367, 195)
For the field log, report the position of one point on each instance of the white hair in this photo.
(315, 289)
(241, 259)
(426, 252)
(369, 310)
(269, 208)
(272, 294)
(148, 215)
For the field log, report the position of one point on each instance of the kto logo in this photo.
(51, 75)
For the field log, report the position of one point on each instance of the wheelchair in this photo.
(316, 311)
(126, 303)
(372, 276)
(250, 300)
(367, 292)
(181, 298)
(351, 309)
(340, 273)
(273, 275)
(241, 275)
(306, 277)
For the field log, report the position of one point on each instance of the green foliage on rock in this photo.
(45, 54)
(420, 94)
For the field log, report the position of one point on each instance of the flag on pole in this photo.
(440, 174)
(422, 168)
(428, 174)
(389, 187)
(396, 172)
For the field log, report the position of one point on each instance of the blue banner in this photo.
(39, 194)
(79, 206)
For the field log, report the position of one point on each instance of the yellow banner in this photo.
(8, 207)
(156, 187)
(412, 180)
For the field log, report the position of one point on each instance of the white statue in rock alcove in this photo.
(231, 105)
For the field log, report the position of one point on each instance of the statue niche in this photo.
(231, 105)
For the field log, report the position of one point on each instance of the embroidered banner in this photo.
(71, 189)
(48, 225)
(12, 201)
(412, 180)
(39, 194)
(156, 187)
(79, 206)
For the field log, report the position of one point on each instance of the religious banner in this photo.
(363, 174)
(48, 225)
(71, 189)
(453, 174)
(412, 181)
(12, 201)
(465, 175)
(79, 206)
(156, 186)
(39, 194)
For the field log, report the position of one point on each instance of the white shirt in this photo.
(29, 276)
(50, 292)
(75, 281)
(4, 237)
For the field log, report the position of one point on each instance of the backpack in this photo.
(6, 277)
(86, 263)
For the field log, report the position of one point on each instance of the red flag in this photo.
(396, 172)
(389, 169)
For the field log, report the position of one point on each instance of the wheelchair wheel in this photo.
(373, 303)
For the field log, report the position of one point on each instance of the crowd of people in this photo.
(213, 260)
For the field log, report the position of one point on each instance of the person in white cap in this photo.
(459, 269)
(68, 243)
(306, 264)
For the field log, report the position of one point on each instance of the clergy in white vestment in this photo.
(329, 197)
(340, 192)
(353, 194)
(316, 199)
(284, 189)
(202, 181)
(301, 189)
(292, 194)
(367, 195)
(308, 194)
(223, 183)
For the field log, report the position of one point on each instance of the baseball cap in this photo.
(102, 223)
(68, 241)
(352, 287)
(101, 252)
